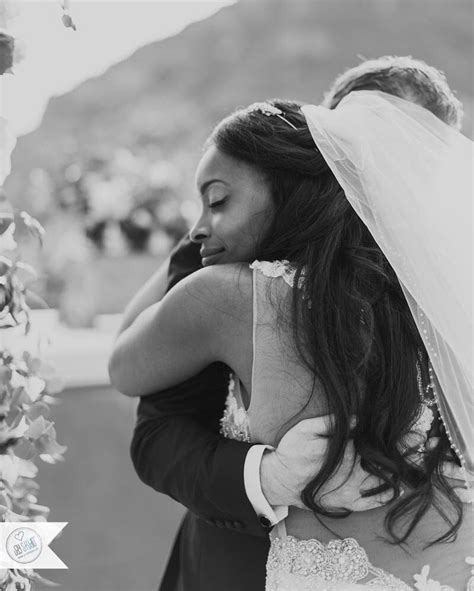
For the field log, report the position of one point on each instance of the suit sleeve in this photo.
(177, 450)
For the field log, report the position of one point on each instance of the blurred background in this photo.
(112, 119)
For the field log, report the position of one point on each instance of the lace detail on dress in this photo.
(283, 269)
(304, 565)
(424, 584)
(339, 565)
(470, 583)
(234, 422)
(424, 421)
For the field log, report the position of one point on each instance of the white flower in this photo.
(9, 469)
(33, 385)
(19, 430)
(425, 584)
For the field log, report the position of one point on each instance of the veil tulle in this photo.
(409, 178)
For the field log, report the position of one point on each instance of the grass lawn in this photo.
(119, 530)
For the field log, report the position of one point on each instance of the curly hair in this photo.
(358, 337)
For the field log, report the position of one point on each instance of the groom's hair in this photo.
(404, 77)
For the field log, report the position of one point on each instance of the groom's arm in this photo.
(176, 448)
(177, 451)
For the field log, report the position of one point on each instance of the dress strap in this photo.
(283, 269)
(278, 531)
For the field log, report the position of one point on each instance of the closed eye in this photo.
(216, 204)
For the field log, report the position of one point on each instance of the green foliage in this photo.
(28, 385)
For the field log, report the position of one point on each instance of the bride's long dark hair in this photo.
(358, 336)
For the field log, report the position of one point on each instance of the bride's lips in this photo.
(210, 255)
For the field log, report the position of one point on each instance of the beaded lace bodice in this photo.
(235, 423)
(310, 565)
(306, 565)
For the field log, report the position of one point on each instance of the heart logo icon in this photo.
(19, 535)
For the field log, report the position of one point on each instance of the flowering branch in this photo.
(27, 383)
(28, 386)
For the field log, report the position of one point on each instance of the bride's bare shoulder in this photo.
(224, 288)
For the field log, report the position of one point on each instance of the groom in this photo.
(236, 491)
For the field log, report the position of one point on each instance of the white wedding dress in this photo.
(296, 564)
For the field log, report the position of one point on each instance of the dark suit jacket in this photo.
(177, 450)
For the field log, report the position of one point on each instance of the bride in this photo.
(357, 302)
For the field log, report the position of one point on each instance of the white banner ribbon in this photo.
(26, 544)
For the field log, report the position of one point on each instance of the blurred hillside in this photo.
(170, 93)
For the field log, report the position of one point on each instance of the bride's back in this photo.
(284, 391)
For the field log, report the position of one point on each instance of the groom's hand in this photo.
(286, 471)
(461, 480)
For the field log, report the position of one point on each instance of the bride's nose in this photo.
(200, 231)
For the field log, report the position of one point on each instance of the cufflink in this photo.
(265, 522)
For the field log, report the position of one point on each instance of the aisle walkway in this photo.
(119, 530)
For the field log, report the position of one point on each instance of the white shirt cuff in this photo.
(267, 514)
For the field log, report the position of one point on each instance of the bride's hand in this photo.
(293, 464)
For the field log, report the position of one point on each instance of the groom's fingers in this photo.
(464, 495)
(461, 480)
(452, 470)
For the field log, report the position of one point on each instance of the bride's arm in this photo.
(183, 260)
(179, 336)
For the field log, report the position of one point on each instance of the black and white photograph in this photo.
(236, 295)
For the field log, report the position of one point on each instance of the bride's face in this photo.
(236, 209)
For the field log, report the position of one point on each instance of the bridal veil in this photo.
(408, 176)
